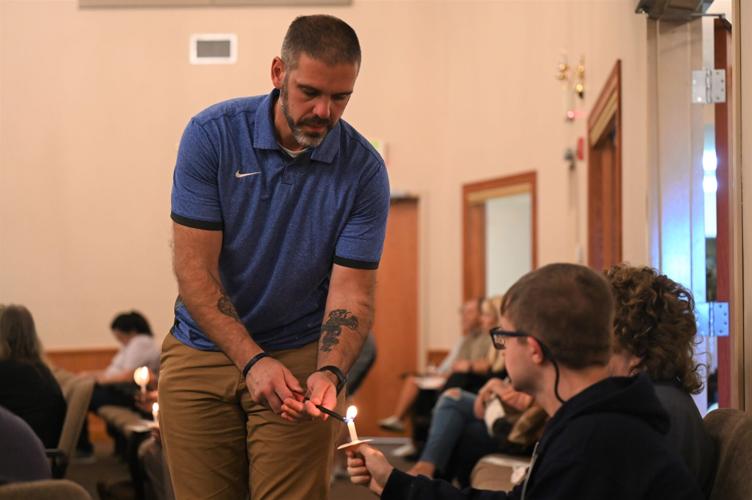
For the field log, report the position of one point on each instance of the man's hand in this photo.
(270, 383)
(368, 466)
(321, 391)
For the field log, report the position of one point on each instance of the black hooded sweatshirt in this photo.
(605, 443)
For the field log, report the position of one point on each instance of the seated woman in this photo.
(115, 384)
(655, 331)
(28, 388)
(466, 356)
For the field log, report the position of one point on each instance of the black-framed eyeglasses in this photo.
(498, 336)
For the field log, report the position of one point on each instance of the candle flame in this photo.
(352, 411)
(155, 408)
(141, 375)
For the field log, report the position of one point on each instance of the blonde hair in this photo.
(495, 356)
(492, 305)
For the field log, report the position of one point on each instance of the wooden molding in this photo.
(603, 106)
(78, 360)
(730, 351)
(473, 227)
(604, 175)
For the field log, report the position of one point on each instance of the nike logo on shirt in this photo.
(239, 175)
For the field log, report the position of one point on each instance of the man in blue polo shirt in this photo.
(279, 211)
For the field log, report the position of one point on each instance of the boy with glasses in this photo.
(606, 436)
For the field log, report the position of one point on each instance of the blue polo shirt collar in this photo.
(264, 136)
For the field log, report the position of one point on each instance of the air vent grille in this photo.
(213, 48)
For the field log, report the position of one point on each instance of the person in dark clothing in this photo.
(655, 332)
(28, 388)
(22, 456)
(606, 436)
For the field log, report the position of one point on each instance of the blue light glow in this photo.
(709, 161)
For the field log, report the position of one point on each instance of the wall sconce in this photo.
(579, 86)
(562, 70)
(573, 85)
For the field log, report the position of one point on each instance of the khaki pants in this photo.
(219, 444)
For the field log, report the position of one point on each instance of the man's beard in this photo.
(303, 138)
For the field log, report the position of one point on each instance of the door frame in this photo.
(474, 226)
(604, 118)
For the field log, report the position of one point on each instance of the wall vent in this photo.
(213, 48)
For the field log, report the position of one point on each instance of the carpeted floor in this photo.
(112, 470)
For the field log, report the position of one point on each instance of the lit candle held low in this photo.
(141, 377)
(349, 419)
(155, 412)
(352, 411)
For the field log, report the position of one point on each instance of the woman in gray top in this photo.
(655, 332)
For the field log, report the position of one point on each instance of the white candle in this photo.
(155, 412)
(352, 411)
(141, 377)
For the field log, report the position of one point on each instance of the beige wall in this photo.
(92, 104)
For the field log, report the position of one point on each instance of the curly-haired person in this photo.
(655, 332)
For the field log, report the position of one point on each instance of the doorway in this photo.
(395, 323)
(499, 233)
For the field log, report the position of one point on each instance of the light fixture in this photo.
(573, 85)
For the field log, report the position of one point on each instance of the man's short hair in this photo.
(131, 322)
(324, 38)
(569, 308)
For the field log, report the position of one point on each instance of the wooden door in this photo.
(603, 212)
(722, 57)
(604, 176)
(474, 245)
(396, 322)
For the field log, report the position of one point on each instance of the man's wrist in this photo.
(255, 359)
(334, 374)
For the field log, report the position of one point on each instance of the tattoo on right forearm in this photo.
(331, 330)
(225, 307)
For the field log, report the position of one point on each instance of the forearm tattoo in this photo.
(332, 328)
(225, 307)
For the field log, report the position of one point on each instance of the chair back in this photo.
(52, 489)
(77, 392)
(732, 432)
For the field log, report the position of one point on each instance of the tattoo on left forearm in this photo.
(225, 307)
(332, 328)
